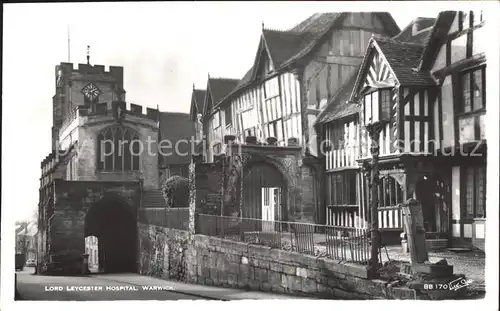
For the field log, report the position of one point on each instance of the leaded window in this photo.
(118, 149)
(474, 192)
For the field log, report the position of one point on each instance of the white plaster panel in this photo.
(455, 230)
(455, 196)
(480, 231)
(467, 231)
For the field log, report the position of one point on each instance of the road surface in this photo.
(62, 288)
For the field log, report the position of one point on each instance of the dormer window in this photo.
(378, 105)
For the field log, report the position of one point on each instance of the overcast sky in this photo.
(163, 47)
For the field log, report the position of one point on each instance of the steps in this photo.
(153, 199)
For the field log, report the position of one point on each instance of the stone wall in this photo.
(162, 252)
(217, 262)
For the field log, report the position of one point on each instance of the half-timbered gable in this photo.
(457, 60)
(217, 122)
(390, 90)
(336, 56)
(196, 111)
(294, 74)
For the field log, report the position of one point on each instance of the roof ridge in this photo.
(284, 31)
(223, 78)
(392, 40)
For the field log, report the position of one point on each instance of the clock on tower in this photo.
(91, 92)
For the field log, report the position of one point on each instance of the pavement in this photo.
(125, 286)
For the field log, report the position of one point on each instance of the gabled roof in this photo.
(439, 31)
(418, 31)
(282, 45)
(175, 126)
(287, 47)
(197, 100)
(218, 89)
(339, 105)
(402, 58)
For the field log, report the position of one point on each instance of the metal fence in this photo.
(342, 243)
(175, 218)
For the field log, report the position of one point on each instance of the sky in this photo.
(163, 47)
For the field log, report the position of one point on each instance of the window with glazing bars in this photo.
(474, 183)
(473, 88)
(118, 149)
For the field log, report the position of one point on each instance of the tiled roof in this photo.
(283, 45)
(220, 87)
(403, 58)
(318, 22)
(198, 96)
(297, 42)
(338, 106)
(418, 31)
(175, 126)
(439, 30)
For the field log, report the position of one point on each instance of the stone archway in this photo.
(259, 177)
(114, 223)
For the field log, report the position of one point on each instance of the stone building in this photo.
(428, 86)
(26, 239)
(271, 111)
(104, 168)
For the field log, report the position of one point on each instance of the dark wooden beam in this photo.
(412, 123)
(460, 33)
(421, 124)
(463, 64)
(440, 119)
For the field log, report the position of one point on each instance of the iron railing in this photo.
(335, 242)
(175, 218)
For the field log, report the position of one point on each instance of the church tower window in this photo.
(118, 150)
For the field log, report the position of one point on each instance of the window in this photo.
(337, 134)
(228, 116)
(474, 192)
(389, 192)
(378, 106)
(473, 90)
(385, 104)
(118, 150)
(275, 129)
(341, 188)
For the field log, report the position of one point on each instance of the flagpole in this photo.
(69, 47)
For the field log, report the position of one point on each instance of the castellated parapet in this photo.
(115, 72)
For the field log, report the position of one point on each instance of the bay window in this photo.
(378, 105)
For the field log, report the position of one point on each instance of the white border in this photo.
(491, 9)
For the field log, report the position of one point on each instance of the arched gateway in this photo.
(113, 222)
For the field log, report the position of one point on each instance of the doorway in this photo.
(425, 193)
(113, 223)
(270, 205)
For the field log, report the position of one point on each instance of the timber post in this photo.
(192, 199)
(374, 130)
